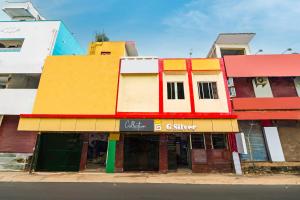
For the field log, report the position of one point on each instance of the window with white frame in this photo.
(11, 45)
(207, 90)
(175, 90)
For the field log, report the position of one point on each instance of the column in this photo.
(119, 165)
(163, 153)
(111, 152)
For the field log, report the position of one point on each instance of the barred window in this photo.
(207, 90)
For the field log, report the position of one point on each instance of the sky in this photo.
(173, 28)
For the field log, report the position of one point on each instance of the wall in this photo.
(262, 91)
(176, 105)
(38, 44)
(138, 93)
(283, 87)
(13, 141)
(65, 43)
(16, 101)
(210, 105)
(78, 85)
(231, 46)
(243, 87)
(290, 142)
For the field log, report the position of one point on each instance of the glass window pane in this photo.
(215, 90)
(169, 90)
(180, 90)
(205, 91)
(198, 141)
(219, 141)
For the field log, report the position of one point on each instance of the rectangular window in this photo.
(175, 90)
(225, 52)
(198, 141)
(219, 141)
(104, 53)
(207, 90)
(11, 45)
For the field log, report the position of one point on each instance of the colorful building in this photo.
(25, 42)
(122, 112)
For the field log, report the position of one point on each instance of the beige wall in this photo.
(290, 142)
(138, 93)
(176, 105)
(210, 105)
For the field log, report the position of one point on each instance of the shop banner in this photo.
(134, 125)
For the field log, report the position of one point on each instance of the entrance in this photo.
(59, 152)
(141, 152)
(179, 153)
(97, 151)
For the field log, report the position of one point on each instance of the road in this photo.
(107, 191)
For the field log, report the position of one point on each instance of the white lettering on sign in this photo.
(132, 124)
(180, 127)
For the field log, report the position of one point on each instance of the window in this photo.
(11, 45)
(207, 90)
(198, 141)
(219, 141)
(103, 53)
(175, 90)
(225, 52)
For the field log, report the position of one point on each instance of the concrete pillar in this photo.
(163, 153)
(85, 146)
(111, 156)
(119, 165)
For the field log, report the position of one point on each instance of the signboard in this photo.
(170, 127)
(137, 125)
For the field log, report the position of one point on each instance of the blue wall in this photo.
(65, 43)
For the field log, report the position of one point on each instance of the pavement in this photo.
(174, 178)
(108, 191)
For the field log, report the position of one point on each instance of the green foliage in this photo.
(101, 37)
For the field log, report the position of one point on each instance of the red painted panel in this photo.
(222, 65)
(268, 115)
(244, 87)
(283, 87)
(279, 103)
(190, 77)
(138, 115)
(263, 65)
(13, 141)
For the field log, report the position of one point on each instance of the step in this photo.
(12, 167)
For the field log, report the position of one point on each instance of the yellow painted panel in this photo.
(105, 125)
(222, 125)
(164, 123)
(235, 126)
(114, 136)
(85, 125)
(205, 64)
(177, 64)
(68, 124)
(29, 124)
(203, 125)
(49, 124)
(78, 85)
(115, 48)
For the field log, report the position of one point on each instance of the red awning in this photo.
(263, 65)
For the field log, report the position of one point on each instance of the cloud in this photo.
(236, 15)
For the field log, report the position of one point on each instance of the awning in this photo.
(113, 125)
(263, 65)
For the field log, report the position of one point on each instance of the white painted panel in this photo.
(139, 66)
(237, 163)
(297, 85)
(38, 44)
(16, 101)
(262, 90)
(274, 144)
(241, 143)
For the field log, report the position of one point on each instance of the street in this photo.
(106, 191)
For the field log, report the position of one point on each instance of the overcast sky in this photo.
(170, 28)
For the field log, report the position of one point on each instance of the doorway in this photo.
(179, 153)
(141, 152)
(97, 152)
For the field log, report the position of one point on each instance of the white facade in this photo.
(39, 39)
(274, 144)
(16, 101)
(139, 65)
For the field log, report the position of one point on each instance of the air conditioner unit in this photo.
(230, 82)
(261, 81)
(232, 92)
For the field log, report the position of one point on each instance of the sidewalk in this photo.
(176, 178)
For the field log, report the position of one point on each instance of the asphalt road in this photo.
(107, 191)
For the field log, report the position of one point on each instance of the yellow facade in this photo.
(114, 48)
(205, 64)
(176, 64)
(79, 84)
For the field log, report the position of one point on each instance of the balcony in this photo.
(16, 101)
(285, 108)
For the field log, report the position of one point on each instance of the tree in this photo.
(101, 37)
